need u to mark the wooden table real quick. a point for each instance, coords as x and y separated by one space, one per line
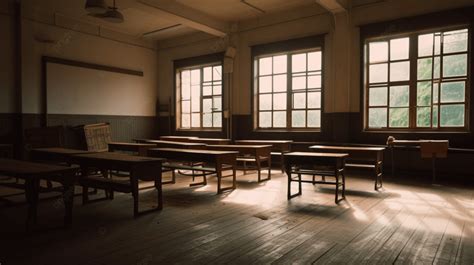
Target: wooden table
305 163
177 138
214 141
138 148
359 156
172 144
219 159
250 153
279 147
32 173
140 168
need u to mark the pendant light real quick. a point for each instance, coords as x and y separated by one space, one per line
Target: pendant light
112 15
96 6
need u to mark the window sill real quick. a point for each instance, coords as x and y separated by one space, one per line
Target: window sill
287 130
417 131
199 130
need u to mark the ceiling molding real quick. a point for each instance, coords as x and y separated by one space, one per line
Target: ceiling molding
181 14
334 6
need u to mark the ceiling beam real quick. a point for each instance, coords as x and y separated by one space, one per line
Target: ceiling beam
182 14
334 6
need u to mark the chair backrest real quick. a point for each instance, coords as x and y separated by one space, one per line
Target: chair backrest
97 137
431 149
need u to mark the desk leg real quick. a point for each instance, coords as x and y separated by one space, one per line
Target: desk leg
259 168
282 161
31 193
159 188
68 198
269 161
134 182
433 167
392 161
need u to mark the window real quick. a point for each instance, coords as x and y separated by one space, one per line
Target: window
418 81
288 89
199 97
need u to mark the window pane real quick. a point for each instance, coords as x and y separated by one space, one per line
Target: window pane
195 120
452 115
435 93
378 96
265 102
435 116
279 119
265 84
196 77
279 101
425 45
437 48
185 92
185 106
279 83
378 52
424 68
314 118
314 81
423 117
217 119
455 41
279 64
452 92
196 103
298 118
377 117
186 77
217 74
206 90
314 100
265 66
265 119
378 73
399 96
207 120
455 65
400 71
423 94
185 120
399 117
217 90
217 104
207 105
437 66
298 62
299 100
299 82
207 74
399 49
314 61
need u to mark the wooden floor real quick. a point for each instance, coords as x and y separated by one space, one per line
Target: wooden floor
255 224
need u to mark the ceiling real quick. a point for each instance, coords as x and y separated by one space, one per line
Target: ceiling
162 19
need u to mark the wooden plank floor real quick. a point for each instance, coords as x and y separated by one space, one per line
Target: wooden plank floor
255 224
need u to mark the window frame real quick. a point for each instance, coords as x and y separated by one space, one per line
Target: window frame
193 63
413 58
289 48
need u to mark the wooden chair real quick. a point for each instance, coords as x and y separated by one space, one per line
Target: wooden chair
97 137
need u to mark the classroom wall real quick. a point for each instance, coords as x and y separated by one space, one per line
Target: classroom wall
342 116
48 34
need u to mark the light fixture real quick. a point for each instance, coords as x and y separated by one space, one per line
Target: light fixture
96 6
113 15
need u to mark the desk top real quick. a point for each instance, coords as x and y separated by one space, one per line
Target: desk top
111 156
347 148
210 140
415 142
61 151
237 146
265 141
170 142
193 151
18 167
313 154
177 137
131 144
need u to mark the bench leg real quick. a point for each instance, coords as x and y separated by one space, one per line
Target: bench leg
289 195
68 198
159 189
31 193
134 182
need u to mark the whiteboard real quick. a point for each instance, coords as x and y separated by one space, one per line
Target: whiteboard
86 91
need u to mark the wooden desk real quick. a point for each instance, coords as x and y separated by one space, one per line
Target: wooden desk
172 144
140 168
305 163
359 156
279 147
217 158
252 153
177 138
32 173
56 154
138 148
214 141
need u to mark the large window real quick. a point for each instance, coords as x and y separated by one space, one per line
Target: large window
418 81
288 90
199 97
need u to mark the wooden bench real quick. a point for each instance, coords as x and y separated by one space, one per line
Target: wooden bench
138 148
310 163
213 141
360 157
214 162
177 138
279 148
257 154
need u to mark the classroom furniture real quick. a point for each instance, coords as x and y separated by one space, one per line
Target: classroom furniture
214 141
59 155
97 136
312 163
279 148
177 138
258 154
139 168
32 173
138 148
172 144
213 162
359 157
